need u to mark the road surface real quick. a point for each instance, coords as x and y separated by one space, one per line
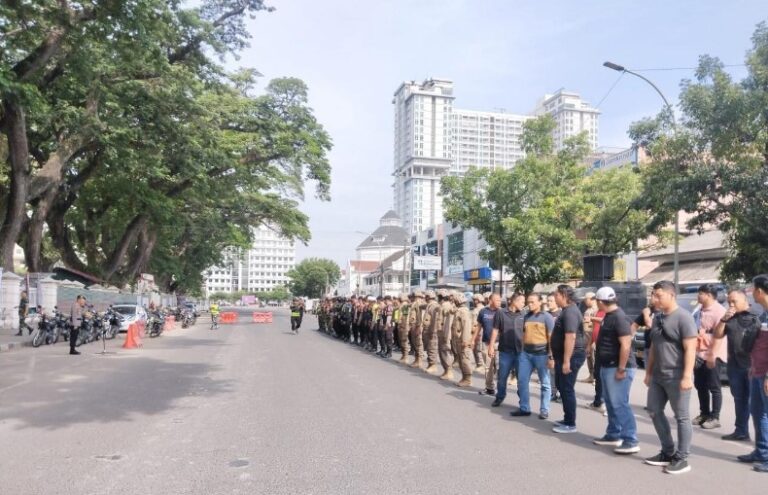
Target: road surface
252 408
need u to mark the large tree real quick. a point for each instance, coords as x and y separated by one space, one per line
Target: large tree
540 217
126 146
715 166
313 276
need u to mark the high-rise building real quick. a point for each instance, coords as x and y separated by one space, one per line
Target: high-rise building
486 139
422 150
433 138
572 116
261 268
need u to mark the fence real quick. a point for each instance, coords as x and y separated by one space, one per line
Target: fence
48 293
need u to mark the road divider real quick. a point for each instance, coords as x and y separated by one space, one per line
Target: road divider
262 317
228 317
170 323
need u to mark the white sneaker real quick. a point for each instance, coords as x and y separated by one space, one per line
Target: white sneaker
564 429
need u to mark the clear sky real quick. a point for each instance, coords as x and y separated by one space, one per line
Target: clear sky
353 54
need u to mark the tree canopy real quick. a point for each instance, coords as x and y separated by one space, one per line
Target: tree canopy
715 166
541 216
126 147
313 276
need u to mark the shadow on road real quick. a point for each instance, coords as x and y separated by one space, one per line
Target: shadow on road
113 389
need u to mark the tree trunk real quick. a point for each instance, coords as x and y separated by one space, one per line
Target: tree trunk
140 261
118 254
34 239
60 236
18 157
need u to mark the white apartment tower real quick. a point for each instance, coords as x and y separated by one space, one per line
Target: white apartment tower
486 139
422 150
572 116
261 268
433 139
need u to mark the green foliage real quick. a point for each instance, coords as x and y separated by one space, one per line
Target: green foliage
144 154
313 276
540 217
715 166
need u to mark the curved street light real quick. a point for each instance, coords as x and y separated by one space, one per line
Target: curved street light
676 258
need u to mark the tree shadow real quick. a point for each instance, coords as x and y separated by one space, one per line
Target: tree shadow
113 389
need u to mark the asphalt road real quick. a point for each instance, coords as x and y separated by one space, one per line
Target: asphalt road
254 409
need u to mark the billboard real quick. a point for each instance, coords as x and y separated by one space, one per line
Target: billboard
427 262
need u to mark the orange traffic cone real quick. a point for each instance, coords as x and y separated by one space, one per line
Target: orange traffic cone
131 338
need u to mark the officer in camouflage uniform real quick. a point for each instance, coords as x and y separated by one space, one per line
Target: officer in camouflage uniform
387 326
431 325
403 327
461 338
365 323
445 319
416 325
323 315
347 310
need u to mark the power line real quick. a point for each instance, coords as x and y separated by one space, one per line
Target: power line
615 83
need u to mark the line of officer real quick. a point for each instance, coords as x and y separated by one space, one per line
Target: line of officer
439 325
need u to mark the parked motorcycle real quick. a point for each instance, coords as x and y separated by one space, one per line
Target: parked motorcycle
88 328
63 323
113 319
47 331
155 323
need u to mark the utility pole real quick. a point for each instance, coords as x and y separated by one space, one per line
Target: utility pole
671 110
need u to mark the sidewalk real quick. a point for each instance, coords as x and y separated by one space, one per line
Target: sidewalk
10 342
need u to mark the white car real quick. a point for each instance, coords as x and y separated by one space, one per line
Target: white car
131 313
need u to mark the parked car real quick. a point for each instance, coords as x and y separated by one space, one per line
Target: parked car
689 302
132 313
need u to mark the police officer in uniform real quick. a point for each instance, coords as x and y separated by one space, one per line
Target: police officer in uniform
461 334
416 320
404 327
430 330
447 310
76 316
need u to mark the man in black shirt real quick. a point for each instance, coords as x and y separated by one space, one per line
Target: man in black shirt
508 327
569 352
617 370
733 325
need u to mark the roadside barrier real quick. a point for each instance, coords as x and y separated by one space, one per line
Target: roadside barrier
170 323
132 338
228 317
259 317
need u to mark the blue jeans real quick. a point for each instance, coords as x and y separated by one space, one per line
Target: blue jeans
738 381
621 419
526 364
566 385
760 417
507 363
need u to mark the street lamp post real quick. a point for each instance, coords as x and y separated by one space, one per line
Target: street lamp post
676 258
